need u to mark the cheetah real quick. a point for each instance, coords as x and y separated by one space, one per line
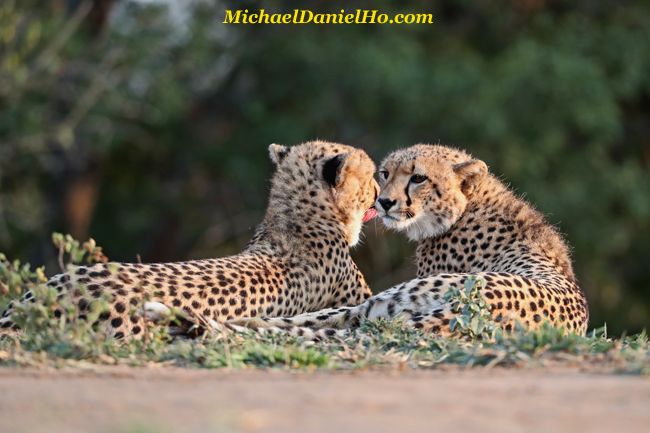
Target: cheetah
297 261
467 224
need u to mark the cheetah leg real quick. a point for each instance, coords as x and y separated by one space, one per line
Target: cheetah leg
416 296
330 317
435 321
512 298
157 312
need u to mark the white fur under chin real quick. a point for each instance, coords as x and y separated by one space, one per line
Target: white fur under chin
416 229
355 229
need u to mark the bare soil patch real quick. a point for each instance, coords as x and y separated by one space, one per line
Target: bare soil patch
170 400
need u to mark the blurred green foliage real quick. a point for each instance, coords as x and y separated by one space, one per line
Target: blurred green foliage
146 125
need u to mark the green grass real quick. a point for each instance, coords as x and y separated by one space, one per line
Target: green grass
69 340
378 345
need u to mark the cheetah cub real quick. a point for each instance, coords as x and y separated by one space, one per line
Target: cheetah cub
467 224
297 261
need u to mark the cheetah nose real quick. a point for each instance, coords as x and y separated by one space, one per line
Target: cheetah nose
386 203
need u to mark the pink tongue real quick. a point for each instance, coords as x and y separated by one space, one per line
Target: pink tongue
370 214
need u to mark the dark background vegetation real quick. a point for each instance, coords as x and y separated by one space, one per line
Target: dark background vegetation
145 125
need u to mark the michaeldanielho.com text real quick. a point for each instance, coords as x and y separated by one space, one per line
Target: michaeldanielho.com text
306 16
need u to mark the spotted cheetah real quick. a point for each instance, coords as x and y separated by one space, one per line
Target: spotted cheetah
297 260
467 224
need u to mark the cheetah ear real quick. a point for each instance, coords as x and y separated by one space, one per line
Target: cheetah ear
470 174
333 170
277 152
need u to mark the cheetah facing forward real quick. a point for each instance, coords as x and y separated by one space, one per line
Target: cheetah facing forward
467 224
298 259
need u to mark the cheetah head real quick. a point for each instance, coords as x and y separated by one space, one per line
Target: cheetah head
425 189
322 180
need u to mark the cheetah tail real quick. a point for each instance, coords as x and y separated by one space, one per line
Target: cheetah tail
6 322
301 332
337 318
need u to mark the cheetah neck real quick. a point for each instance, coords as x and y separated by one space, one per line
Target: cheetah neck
315 252
307 235
281 236
294 221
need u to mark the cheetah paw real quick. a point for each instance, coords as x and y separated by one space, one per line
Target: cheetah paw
250 322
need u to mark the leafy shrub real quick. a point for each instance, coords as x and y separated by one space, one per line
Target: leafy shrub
472 316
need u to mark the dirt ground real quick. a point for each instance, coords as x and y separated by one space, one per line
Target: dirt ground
122 400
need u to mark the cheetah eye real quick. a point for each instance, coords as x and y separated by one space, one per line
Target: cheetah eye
417 178
383 174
